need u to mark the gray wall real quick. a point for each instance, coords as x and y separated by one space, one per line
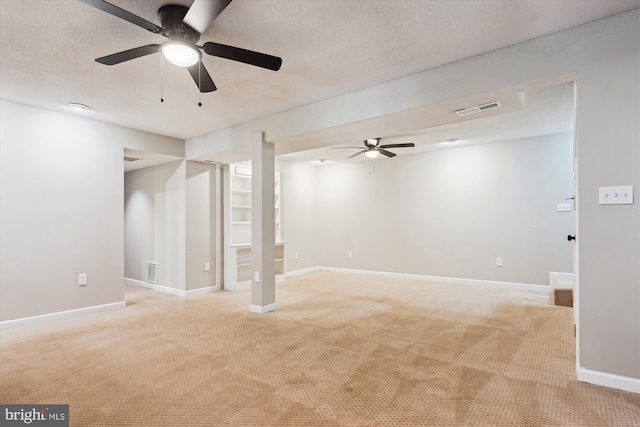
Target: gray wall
154 222
604 57
61 192
608 105
169 217
201 218
451 213
299 214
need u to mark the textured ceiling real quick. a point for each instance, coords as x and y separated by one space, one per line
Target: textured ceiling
329 47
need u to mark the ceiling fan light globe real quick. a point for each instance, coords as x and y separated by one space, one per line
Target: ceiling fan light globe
180 53
372 154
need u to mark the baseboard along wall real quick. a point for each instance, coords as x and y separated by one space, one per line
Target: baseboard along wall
170 290
63 314
527 286
262 309
609 380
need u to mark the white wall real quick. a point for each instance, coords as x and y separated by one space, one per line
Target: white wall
170 219
154 222
61 192
604 56
451 213
299 214
201 218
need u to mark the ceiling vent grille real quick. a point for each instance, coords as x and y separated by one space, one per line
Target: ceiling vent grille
152 272
131 159
479 108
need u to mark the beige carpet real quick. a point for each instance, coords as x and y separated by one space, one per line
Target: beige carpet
341 350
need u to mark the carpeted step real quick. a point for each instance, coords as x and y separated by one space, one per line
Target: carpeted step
563 297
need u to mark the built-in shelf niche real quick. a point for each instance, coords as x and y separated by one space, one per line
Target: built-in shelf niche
237 196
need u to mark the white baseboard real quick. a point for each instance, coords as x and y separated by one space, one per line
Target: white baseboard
170 290
63 314
243 285
135 282
200 291
609 380
512 285
302 271
560 280
261 309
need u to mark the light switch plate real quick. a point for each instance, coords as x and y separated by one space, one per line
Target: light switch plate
563 207
620 195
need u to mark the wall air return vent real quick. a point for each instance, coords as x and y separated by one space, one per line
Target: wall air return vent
479 108
152 272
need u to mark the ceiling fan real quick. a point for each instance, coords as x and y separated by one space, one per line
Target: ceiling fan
183 27
372 148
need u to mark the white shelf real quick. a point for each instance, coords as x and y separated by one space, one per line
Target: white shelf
237 233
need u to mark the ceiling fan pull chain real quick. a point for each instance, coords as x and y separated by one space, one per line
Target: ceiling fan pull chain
161 78
200 83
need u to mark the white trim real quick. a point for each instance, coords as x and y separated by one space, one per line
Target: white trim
609 380
560 280
63 314
512 285
302 271
134 282
169 290
200 291
262 309
240 286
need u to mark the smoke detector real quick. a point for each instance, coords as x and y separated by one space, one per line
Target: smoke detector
479 108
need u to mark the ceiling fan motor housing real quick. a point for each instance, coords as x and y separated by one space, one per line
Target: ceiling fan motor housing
171 17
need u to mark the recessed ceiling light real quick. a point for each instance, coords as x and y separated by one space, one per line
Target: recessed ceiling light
78 106
452 140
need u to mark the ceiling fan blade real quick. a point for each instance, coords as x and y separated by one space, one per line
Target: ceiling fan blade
357 154
123 14
386 153
127 55
242 55
202 78
202 13
405 145
351 148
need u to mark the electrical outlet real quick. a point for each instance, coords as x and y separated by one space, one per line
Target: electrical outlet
349 254
207 266
296 255
83 279
498 262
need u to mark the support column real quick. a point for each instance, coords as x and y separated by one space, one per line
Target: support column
263 230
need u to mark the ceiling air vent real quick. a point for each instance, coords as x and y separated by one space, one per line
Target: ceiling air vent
131 159
479 108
